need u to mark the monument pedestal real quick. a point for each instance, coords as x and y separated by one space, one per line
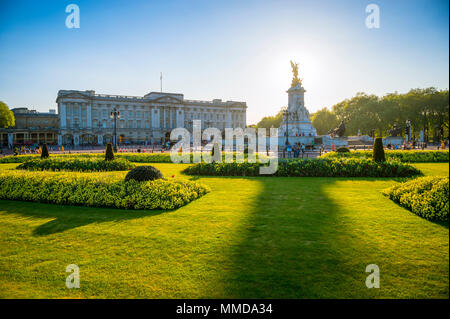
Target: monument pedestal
337 141
307 140
296 120
393 140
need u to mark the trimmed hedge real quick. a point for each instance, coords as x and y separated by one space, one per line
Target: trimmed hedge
425 196
378 150
109 154
97 191
44 153
144 173
76 164
349 167
343 149
412 156
132 157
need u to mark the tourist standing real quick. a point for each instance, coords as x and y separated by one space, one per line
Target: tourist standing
288 150
296 150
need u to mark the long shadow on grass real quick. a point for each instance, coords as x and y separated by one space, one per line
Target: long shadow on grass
303 241
285 250
69 217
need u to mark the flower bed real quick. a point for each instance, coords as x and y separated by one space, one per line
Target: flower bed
426 196
412 156
346 167
76 164
97 190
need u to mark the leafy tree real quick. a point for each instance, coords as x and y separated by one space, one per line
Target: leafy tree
324 120
271 121
6 116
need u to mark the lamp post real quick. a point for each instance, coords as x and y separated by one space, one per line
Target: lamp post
408 130
115 114
287 114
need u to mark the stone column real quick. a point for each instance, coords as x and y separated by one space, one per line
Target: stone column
165 117
156 118
59 140
180 117
62 115
10 140
229 119
89 116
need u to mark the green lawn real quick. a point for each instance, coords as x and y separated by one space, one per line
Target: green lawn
248 238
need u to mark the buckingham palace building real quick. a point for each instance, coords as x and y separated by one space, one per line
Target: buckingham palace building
85 117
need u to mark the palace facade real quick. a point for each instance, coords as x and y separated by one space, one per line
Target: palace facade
31 128
85 117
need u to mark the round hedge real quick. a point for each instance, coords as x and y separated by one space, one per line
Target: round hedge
143 173
343 150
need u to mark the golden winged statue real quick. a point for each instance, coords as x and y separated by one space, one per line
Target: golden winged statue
295 79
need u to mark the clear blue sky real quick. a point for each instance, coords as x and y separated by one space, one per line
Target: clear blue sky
237 50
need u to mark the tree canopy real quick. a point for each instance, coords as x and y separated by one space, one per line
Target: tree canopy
324 120
427 109
6 116
271 121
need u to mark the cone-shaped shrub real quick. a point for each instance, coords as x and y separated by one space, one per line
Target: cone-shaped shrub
109 156
44 153
378 150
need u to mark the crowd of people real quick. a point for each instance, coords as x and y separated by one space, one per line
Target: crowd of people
294 151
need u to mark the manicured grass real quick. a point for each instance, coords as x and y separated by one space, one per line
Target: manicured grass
249 237
432 169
